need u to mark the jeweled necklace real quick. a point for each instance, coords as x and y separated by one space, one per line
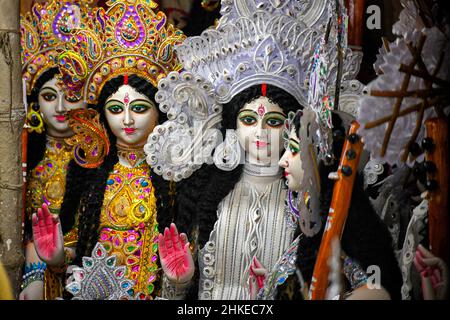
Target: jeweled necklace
54 143
134 155
260 171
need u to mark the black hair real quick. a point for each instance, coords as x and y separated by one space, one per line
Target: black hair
36 141
86 196
365 238
199 196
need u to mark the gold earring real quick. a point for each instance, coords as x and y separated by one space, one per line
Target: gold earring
34 120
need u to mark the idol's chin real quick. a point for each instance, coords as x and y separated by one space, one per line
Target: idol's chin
129 141
256 159
60 127
61 131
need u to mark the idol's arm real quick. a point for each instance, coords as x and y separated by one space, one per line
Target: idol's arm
33 275
433 273
364 293
177 263
173 290
360 289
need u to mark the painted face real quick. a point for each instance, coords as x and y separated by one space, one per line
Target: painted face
54 107
131 116
259 129
292 163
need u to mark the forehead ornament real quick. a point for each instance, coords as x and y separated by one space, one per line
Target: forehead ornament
261 110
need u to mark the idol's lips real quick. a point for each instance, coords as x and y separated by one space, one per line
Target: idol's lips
129 130
261 144
286 173
60 118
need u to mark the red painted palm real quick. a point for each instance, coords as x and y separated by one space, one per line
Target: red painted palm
175 255
48 237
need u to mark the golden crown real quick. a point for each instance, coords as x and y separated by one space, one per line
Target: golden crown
43 30
130 38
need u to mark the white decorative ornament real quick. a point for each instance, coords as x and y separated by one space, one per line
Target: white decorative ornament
100 278
373 106
412 240
182 144
304 10
264 47
372 171
351 92
409 21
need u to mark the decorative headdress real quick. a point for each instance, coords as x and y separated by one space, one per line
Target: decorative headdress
43 31
130 38
255 42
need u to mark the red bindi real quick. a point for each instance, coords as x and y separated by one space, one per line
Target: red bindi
261 110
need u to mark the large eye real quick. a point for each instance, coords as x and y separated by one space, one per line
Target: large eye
115 109
247 120
293 148
274 119
48 96
139 108
274 122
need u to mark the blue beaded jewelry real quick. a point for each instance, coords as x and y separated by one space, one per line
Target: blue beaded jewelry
33 272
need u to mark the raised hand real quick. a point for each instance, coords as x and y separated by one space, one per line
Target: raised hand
434 274
175 255
48 237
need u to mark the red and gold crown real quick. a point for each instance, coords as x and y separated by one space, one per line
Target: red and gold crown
43 30
132 39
